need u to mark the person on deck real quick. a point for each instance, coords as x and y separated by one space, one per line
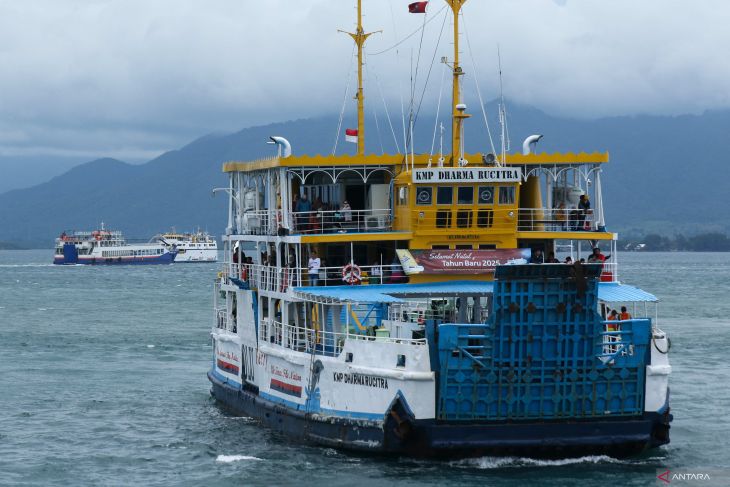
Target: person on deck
584 205
313 270
303 208
376 274
624 315
537 257
597 257
346 212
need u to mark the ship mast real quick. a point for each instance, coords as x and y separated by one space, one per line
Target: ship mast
360 37
458 116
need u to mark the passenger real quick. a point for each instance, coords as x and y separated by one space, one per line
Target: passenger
624 316
346 212
568 260
597 257
582 261
314 265
304 207
537 257
552 259
584 205
376 274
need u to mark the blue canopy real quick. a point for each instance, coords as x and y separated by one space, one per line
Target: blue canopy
609 292
614 292
392 293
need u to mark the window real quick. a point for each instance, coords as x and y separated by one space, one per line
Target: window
403 196
485 218
487 246
423 195
486 195
464 247
443 219
439 247
507 195
466 195
445 195
463 218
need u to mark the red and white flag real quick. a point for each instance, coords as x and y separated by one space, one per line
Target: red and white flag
351 135
417 7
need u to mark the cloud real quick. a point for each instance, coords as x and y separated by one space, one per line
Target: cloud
111 76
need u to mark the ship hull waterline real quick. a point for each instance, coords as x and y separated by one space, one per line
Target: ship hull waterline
618 438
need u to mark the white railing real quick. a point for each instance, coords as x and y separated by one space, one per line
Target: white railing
348 221
555 220
320 342
275 279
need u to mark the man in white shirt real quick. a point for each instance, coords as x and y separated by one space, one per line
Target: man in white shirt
314 264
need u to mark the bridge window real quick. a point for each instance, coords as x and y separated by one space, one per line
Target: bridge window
466 195
463 219
443 219
403 196
445 195
423 195
507 195
485 218
439 247
486 195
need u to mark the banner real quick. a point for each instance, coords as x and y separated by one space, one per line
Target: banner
468 175
460 261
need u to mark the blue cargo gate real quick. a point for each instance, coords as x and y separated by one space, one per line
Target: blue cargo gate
544 354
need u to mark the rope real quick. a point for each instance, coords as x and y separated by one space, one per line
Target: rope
375 113
438 110
428 76
344 102
479 91
409 35
387 113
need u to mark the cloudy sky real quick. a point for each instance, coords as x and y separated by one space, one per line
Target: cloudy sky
132 78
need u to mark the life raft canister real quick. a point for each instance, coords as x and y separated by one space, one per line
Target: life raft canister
351 274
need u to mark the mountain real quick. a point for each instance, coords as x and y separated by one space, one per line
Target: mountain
667 174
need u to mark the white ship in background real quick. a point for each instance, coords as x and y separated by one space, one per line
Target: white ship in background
191 247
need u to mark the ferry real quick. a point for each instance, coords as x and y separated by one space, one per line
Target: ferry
191 247
420 309
107 247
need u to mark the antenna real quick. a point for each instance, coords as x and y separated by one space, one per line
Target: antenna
504 135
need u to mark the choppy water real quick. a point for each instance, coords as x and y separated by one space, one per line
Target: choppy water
102 382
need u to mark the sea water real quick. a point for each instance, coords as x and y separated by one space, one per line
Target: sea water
103 382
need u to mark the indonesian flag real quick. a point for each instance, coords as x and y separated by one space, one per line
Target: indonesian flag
351 135
417 7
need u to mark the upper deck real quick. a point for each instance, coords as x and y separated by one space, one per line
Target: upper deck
313 199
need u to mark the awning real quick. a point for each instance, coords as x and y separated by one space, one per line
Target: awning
609 292
392 293
613 292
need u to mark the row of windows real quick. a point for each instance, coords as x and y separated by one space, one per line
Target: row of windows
464 195
464 218
130 253
464 247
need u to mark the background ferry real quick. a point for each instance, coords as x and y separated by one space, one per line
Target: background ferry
105 247
191 247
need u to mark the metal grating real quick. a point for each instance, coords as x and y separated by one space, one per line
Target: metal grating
545 354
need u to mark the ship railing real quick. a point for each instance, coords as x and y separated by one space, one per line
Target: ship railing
319 342
507 220
622 339
351 221
281 279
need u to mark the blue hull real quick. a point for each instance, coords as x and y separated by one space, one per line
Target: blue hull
397 434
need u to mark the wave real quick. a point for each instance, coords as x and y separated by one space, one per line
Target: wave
488 463
235 458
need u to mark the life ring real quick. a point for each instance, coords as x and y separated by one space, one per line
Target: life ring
351 274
